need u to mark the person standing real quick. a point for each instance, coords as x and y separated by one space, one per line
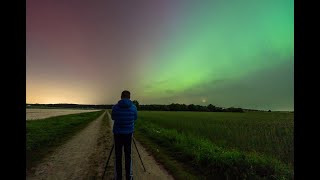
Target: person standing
124 115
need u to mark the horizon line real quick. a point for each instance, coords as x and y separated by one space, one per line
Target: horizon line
161 104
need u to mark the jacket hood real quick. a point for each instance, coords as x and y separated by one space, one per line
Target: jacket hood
125 103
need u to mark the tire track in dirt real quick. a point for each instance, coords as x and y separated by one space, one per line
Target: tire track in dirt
154 170
82 157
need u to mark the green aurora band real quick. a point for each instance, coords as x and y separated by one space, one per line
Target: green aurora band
223 42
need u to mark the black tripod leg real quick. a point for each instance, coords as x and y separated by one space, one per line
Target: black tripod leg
139 154
107 162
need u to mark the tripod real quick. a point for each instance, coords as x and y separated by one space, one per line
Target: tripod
134 142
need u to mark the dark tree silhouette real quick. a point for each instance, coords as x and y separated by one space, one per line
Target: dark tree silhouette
149 107
136 103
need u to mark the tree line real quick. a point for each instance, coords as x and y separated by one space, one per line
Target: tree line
184 107
148 107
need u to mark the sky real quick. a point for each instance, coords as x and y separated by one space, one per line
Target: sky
228 53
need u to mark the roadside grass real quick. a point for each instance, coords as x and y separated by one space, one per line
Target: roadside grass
161 154
185 144
43 136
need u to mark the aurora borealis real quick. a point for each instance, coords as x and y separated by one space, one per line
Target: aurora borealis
227 53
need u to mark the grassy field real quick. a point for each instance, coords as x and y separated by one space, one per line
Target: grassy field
256 145
42 136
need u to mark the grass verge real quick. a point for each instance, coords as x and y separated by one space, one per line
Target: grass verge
43 136
207 160
177 169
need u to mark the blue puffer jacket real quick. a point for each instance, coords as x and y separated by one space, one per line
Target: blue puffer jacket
124 114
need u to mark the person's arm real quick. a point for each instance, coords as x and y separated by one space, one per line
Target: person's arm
113 112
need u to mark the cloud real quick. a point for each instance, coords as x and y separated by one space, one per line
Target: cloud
270 88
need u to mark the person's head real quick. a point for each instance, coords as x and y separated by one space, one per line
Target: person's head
125 94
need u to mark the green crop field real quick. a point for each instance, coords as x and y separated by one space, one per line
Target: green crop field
255 145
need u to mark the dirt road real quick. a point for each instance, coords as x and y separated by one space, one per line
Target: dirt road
84 156
78 158
154 171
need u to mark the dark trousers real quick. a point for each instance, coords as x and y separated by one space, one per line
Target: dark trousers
123 140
